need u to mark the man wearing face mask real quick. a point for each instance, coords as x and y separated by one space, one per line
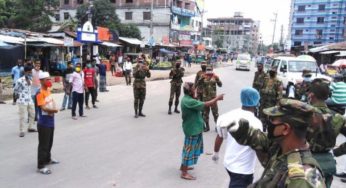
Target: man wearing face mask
260 76
270 93
197 78
139 86
176 75
284 151
303 88
77 81
16 73
209 81
25 103
322 137
90 85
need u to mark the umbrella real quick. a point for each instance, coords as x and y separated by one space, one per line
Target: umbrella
339 62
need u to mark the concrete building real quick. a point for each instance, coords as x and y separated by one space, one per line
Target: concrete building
316 22
236 33
173 21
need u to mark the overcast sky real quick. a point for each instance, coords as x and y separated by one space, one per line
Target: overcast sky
261 10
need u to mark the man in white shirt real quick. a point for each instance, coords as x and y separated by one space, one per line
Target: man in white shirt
239 160
127 68
25 103
77 81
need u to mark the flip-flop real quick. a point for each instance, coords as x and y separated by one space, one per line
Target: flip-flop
188 177
190 168
45 171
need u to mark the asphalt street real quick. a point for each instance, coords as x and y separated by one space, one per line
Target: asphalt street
110 148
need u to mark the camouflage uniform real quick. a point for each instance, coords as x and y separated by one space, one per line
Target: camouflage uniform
296 168
270 93
198 85
259 79
176 75
139 87
322 139
208 84
303 88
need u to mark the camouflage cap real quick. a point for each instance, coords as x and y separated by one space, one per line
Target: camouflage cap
297 110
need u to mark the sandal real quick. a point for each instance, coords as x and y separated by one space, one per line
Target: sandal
187 176
44 170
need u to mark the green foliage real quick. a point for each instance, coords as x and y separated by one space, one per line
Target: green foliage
27 14
103 15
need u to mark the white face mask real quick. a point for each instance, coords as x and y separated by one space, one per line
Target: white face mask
307 79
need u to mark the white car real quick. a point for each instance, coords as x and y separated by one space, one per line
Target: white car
290 70
243 62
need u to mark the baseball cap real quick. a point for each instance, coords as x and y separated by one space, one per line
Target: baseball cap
43 75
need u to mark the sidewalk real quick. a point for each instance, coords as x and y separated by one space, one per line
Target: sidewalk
112 80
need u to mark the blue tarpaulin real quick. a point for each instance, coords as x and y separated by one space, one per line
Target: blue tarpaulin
162 50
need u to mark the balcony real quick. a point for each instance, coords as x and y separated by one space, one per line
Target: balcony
183 12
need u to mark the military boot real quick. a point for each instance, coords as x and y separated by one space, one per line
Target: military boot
169 108
176 110
206 127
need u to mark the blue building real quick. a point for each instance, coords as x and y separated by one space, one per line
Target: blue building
316 22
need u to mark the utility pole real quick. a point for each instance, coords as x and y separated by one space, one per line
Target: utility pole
275 20
151 28
282 37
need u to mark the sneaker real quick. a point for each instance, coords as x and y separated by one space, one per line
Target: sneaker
62 109
74 117
94 106
44 171
341 175
83 116
21 134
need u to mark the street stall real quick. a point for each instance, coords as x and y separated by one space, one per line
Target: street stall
165 59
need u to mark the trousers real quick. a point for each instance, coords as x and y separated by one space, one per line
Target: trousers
24 112
45 143
91 91
77 98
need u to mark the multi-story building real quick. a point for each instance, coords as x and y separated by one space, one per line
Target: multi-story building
172 21
316 22
235 33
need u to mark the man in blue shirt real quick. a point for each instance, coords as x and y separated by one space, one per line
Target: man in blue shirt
17 72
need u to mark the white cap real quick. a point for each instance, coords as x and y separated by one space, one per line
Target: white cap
43 75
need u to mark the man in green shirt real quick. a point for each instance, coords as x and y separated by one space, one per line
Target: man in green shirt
193 128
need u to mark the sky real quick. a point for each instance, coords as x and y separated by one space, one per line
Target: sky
258 10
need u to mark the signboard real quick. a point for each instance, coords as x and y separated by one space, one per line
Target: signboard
68 41
183 12
87 33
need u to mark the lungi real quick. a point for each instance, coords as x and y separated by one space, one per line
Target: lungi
103 83
193 148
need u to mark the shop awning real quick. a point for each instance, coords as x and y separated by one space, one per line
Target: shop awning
133 41
12 40
48 40
110 44
330 52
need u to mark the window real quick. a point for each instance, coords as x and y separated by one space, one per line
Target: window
66 15
321 7
334 17
57 17
332 30
331 38
333 12
319 32
146 16
297 43
332 25
113 1
301 8
66 2
283 66
128 15
80 1
300 20
320 20
299 32
317 42
129 1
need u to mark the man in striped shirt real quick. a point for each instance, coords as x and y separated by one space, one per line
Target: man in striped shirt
338 89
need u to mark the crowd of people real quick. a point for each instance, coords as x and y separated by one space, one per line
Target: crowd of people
294 140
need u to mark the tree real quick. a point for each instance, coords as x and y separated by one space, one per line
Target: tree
6 12
32 14
103 15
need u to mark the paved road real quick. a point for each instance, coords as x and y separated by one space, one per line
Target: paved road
110 148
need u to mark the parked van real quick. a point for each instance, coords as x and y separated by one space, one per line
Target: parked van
290 70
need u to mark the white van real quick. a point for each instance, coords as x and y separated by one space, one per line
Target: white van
243 62
290 70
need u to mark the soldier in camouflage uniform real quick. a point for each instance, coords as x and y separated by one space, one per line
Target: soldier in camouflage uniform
209 81
270 93
176 75
197 78
139 86
303 88
284 151
259 79
322 136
